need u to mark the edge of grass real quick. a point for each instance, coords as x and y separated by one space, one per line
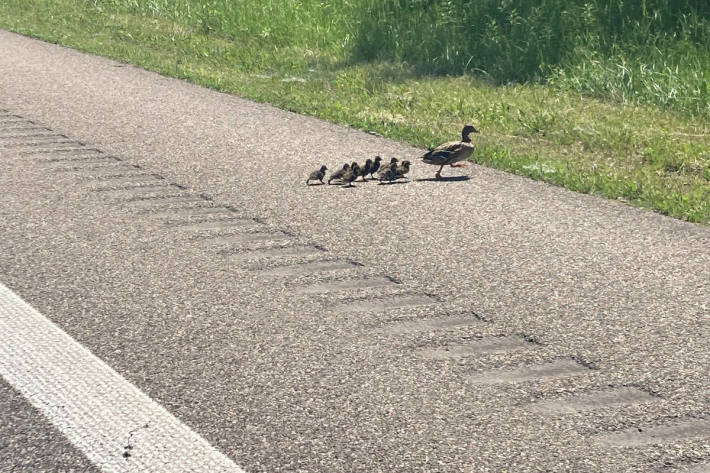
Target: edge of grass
642 155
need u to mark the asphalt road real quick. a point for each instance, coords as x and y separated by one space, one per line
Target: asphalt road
488 324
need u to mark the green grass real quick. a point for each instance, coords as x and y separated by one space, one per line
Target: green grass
624 122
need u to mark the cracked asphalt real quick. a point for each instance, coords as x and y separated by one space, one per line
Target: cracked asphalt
593 295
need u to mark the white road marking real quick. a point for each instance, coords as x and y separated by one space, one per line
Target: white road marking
111 421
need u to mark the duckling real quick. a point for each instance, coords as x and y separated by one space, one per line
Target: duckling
375 166
402 169
388 175
366 169
384 169
351 174
339 173
317 175
452 151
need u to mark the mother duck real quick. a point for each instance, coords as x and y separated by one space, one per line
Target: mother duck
451 152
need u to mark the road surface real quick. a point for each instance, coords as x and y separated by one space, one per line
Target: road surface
174 296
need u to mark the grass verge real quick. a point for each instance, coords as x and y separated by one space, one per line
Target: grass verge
645 155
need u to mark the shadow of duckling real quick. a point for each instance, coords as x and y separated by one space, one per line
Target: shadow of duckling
444 179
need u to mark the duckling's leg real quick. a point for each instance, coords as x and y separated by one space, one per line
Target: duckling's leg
438 173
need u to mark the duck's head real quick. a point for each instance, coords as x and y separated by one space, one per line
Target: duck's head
467 130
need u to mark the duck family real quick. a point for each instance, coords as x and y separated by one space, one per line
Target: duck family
350 172
452 153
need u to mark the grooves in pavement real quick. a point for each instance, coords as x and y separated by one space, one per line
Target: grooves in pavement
590 401
141 197
672 432
307 268
484 345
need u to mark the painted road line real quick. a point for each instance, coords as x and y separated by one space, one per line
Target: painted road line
671 433
112 422
591 401
552 370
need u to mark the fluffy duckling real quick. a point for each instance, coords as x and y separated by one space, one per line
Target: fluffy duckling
317 175
339 173
452 151
389 175
384 169
375 166
351 174
402 169
366 169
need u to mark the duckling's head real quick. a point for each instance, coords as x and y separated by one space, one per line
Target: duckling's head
406 163
467 130
368 161
353 164
323 168
346 166
393 160
378 159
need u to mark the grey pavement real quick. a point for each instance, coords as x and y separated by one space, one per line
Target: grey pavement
490 324
28 442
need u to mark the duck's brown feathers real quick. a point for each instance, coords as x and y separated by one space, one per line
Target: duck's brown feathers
448 153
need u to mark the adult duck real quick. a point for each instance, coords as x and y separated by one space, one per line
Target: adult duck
452 152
